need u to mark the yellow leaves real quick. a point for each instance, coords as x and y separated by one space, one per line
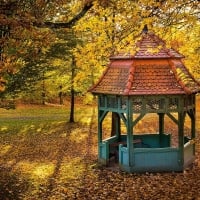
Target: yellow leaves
43 171
11 63
57 62
24 44
154 50
89 99
78 135
44 50
60 165
4 148
186 41
76 165
184 78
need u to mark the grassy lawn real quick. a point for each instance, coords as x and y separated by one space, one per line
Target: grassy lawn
42 156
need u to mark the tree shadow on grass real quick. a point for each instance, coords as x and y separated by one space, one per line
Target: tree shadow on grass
79 154
65 148
27 153
12 186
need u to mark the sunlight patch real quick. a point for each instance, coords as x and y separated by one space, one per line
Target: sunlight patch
26 129
43 171
4 128
86 116
36 170
39 129
86 120
73 169
78 135
4 149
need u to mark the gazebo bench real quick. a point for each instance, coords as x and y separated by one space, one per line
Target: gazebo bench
115 152
116 144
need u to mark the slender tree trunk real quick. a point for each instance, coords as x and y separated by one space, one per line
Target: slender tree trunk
71 119
43 89
60 94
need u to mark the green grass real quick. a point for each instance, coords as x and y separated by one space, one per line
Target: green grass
34 111
31 119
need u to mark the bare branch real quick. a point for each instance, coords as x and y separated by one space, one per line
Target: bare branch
68 24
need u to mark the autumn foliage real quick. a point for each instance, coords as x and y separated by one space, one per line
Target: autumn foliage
93 30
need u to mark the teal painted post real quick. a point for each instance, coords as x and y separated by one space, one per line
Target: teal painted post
181 116
193 121
161 122
193 118
100 119
118 128
161 126
130 132
193 129
99 128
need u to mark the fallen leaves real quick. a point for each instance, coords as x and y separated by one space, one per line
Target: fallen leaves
62 164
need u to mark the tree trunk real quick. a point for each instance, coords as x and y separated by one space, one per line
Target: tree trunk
60 94
43 89
71 119
69 24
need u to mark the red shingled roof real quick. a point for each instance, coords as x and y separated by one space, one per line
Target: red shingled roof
150 46
153 69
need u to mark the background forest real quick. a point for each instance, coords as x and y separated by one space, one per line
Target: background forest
51 49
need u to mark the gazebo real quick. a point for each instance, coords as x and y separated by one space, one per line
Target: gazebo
152 80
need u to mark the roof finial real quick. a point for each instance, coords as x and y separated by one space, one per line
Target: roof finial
145 29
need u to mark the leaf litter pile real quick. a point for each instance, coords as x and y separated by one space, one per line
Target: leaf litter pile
57 160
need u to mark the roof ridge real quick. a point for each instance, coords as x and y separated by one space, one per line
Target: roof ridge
191 75
160 41
130 80
100 79
181 83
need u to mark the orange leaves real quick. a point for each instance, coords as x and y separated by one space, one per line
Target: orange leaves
43 157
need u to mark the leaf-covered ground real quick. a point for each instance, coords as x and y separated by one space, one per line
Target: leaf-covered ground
43 157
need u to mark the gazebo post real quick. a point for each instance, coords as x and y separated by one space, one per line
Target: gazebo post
101 116
192 115
99 130
193 127
181 116
130 134
194 118
103 153
161 125
161 122
99 133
